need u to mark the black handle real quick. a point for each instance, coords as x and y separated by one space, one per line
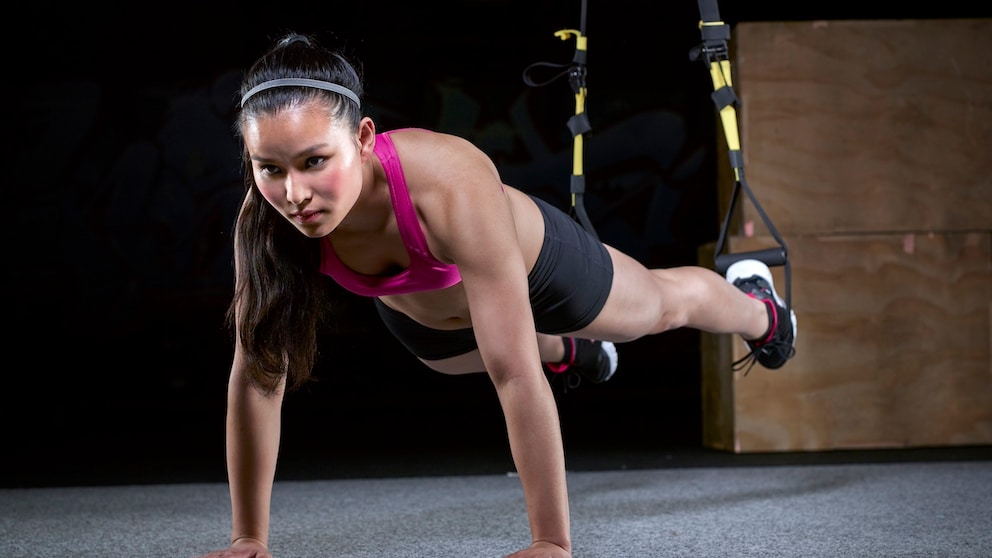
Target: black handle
770 257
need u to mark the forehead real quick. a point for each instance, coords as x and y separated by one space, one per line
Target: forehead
299 121
309 109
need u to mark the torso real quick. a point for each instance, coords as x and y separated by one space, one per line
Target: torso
422 271
383 253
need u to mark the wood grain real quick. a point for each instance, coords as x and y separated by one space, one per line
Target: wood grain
894 348
864 126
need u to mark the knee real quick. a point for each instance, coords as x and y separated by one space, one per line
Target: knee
672 316
681 299
468 363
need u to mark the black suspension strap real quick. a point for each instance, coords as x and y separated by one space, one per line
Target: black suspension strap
714 53
578 124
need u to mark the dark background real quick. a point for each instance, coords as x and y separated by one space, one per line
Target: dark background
126 178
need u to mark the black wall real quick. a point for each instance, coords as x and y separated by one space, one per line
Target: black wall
126 178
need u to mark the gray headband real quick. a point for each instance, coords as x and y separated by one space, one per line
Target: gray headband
302 82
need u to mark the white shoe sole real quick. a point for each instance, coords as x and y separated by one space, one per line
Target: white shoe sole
611 353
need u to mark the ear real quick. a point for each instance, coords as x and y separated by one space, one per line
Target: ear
366 137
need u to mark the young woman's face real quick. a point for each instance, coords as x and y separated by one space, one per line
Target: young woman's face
308 167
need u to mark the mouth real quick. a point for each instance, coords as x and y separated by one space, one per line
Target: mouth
305 217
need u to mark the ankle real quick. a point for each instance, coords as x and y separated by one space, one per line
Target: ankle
772 314
568 356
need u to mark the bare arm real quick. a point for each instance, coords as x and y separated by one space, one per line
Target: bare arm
253 432
253 427
477 232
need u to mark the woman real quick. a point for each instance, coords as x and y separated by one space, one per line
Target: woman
469 273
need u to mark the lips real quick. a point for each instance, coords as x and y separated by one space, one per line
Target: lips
305 217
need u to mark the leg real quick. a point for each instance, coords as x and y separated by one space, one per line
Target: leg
468 363
455 351
644 302
648 301
551 347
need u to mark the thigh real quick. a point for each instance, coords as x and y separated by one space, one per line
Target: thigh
572 277
636 304
467 363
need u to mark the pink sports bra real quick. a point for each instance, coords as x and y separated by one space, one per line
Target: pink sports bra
425 273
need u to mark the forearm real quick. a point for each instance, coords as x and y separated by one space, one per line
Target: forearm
536 444
253 423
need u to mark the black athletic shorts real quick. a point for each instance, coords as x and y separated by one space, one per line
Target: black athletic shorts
568 287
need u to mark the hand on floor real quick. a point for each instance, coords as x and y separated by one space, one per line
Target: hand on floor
541 549
243 548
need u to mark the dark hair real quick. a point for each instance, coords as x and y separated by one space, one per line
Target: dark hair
279 295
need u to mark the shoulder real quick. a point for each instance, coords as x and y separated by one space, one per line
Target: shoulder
424 144
453 184
438 159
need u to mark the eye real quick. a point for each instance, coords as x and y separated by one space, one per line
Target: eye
313 162
269 170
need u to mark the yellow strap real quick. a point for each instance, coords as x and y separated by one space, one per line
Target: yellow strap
580 39
580 107
581 43
720 74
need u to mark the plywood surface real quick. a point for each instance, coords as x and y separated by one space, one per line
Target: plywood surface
893 349
855 126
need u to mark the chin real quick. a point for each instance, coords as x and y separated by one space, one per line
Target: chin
312 232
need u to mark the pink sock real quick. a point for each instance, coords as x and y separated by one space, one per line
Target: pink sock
569 359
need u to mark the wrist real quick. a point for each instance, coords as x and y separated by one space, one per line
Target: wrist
235 540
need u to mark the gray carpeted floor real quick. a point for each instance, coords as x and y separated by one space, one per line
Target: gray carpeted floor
914 509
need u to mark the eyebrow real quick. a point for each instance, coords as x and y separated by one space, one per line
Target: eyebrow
301 153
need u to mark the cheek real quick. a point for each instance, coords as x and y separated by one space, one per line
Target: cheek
336 183
272 194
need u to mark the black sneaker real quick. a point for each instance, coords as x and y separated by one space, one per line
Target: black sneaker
593 361
779 345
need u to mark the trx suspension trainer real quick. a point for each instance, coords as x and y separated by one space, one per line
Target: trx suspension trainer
578 124
713 52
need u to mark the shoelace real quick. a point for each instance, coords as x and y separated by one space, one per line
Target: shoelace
569 377
784 350
569 380
749 359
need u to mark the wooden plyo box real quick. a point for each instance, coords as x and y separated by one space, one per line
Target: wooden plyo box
866 143
863 126
894 348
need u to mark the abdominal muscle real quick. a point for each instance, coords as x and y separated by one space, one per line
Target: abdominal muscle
442 309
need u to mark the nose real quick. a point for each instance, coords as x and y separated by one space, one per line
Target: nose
297 192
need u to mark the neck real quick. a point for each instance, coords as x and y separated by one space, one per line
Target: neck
373 209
